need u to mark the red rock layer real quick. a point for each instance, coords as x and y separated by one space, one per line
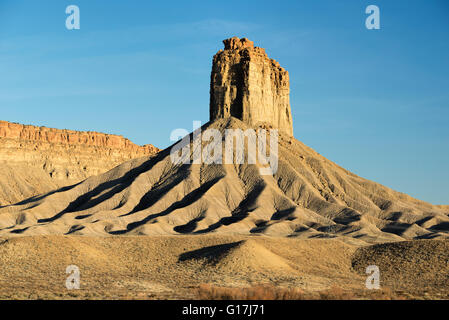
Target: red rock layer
88 138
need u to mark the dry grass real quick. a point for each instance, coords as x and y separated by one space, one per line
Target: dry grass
267 292
157 268
337 293
261 292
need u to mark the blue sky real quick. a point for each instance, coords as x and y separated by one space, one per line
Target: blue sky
374 101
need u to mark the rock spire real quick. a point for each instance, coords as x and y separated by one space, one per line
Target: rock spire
248 85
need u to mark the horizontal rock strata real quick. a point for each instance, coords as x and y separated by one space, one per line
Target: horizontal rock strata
248 85
35 160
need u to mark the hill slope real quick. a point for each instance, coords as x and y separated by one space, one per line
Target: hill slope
308 197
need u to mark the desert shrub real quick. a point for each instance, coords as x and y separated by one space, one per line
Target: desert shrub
260 292
269 292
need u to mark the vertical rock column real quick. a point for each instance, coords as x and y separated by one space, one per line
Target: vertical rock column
248 85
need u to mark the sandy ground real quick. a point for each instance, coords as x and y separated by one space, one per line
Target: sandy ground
172 267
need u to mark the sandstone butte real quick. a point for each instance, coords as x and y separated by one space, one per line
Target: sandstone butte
248 85
320 218
36 160
308 197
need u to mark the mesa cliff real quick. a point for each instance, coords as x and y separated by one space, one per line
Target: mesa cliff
307 197
248 85
35 160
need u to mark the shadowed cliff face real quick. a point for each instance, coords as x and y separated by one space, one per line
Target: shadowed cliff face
36 160
248 85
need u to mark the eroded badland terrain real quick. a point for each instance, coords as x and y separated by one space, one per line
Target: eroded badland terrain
152 228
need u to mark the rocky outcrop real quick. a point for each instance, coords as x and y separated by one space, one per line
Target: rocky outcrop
308 196
248 85
36 160
70 137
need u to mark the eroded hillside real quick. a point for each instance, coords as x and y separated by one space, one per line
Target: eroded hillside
36 160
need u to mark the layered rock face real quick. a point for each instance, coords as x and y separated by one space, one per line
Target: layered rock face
70 137
35 160
248 85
